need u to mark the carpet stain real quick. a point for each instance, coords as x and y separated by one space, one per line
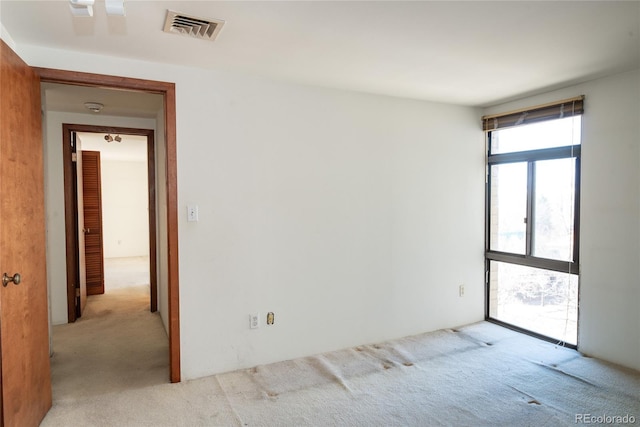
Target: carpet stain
489 343
408 364
387 364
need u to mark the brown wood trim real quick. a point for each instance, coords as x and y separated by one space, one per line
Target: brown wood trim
172 231
110 129
169 92
103 81
71 223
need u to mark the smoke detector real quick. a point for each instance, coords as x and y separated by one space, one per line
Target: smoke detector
96 107
200 28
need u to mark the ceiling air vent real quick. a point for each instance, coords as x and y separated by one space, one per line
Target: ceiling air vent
179 23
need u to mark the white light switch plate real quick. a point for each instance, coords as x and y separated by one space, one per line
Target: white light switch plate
192 213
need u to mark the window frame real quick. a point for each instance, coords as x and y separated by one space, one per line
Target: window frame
530 157
572 266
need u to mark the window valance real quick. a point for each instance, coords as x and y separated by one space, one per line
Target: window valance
556 110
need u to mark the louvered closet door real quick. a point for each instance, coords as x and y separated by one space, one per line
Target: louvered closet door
92 198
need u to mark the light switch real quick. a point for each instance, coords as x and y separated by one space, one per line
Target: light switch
192 213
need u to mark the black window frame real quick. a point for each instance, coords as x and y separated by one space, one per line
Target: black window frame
527 259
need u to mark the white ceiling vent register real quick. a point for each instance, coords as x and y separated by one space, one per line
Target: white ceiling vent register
200 28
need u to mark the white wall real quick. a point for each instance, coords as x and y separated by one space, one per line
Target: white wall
609 319
54 198
353 217
6 37
161 221
125 208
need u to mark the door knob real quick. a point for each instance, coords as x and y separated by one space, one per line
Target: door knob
6 279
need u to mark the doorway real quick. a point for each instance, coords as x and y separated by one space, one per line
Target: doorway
118 341
126 172
169 220
106 216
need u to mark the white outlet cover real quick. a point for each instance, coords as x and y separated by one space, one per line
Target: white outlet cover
254 321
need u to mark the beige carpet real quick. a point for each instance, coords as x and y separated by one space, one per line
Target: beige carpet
479 375
117 344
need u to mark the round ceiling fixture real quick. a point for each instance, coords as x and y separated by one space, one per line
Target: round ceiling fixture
96 107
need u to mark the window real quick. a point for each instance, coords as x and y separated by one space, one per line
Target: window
532 219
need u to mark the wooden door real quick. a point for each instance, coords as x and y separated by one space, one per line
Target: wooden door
92 200
24 332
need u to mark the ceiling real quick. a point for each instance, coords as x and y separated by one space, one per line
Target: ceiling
68 98
470 53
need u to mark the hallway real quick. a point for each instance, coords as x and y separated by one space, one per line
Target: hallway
116 345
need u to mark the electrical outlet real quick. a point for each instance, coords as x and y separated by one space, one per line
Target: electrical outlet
461 290
254 320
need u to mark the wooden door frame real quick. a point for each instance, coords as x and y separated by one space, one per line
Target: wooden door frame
70 201
168 91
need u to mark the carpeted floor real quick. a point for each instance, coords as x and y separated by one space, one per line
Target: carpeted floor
478 375
117 344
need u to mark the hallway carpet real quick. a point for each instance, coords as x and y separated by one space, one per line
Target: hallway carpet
117 344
